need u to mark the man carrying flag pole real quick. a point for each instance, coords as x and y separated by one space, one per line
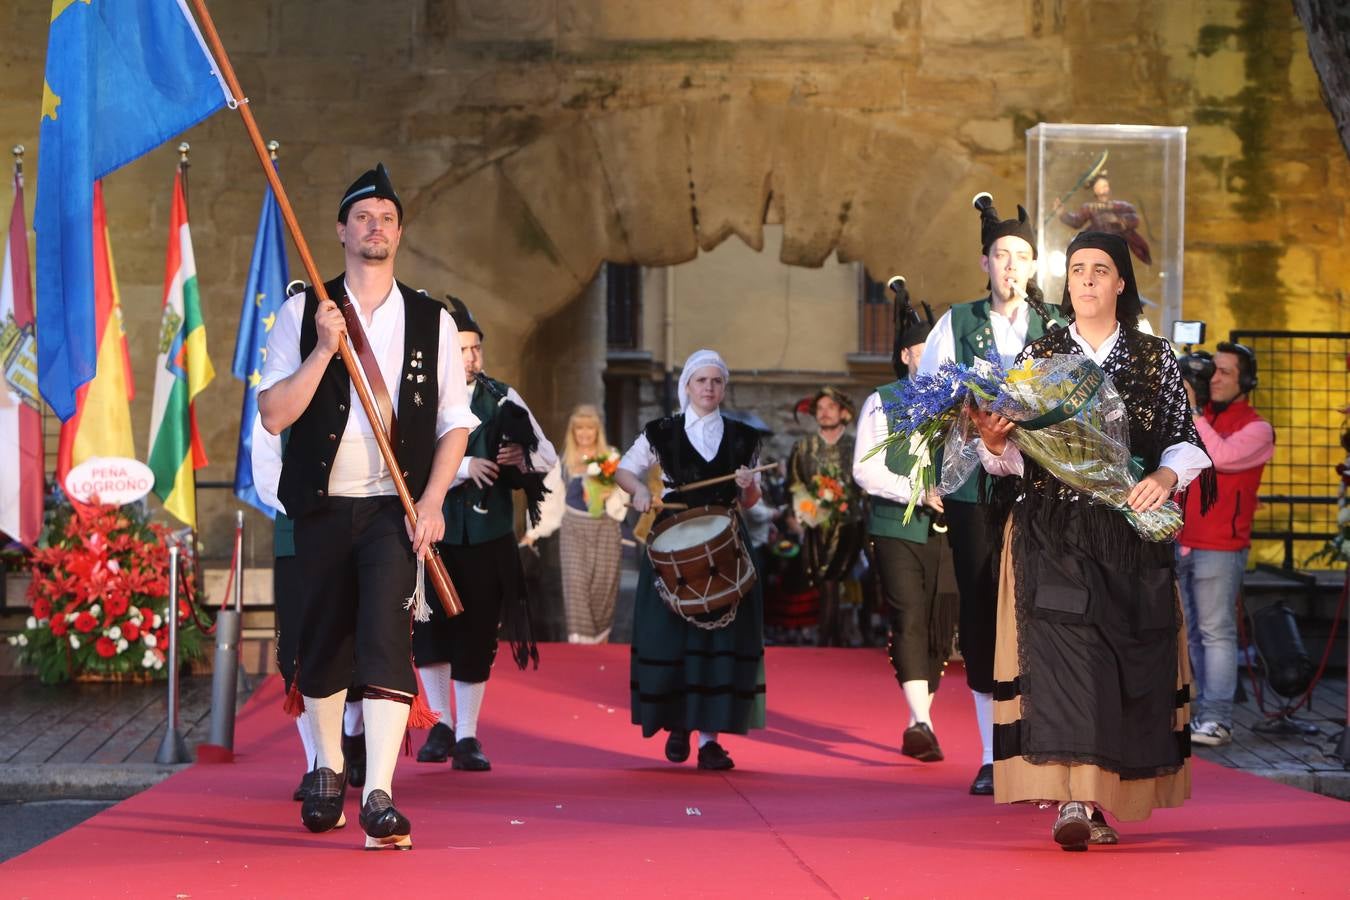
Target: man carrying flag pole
182 371
21 476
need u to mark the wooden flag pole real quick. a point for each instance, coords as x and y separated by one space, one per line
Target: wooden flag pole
435 566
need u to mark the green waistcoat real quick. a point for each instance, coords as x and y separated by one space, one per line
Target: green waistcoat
973 338
464 524
886 518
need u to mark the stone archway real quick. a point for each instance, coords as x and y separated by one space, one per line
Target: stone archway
525 234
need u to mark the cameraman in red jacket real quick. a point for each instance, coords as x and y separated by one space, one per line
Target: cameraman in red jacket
1213 546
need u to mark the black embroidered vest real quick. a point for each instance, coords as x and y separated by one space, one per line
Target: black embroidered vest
682 464
308 458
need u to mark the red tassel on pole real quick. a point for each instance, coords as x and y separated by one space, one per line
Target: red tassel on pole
421 715
295 702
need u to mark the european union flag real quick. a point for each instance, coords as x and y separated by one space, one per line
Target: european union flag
121 79
263 296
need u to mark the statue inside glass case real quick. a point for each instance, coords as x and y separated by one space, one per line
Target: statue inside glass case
1102 213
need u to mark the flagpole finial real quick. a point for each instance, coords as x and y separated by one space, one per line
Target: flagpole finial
272 148
18 151
183 150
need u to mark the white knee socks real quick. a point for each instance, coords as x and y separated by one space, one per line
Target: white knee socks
306 739
706 737
919 700
386 720
468 703
353 722
984 714
325 722
436 686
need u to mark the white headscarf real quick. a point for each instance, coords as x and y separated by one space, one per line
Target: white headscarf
699 359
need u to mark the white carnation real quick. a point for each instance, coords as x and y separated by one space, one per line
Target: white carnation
150 640
32 622
115 632
74 642
148 660
13 640
159 620
122 645
22 640
593 469
95 610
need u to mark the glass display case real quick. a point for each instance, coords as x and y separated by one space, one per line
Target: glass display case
1127 179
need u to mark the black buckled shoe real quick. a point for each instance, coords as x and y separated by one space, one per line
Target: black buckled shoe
384 825
983 785
468 756
677 745
1100 831
1073 828
354 753
920 743
439 741
322 808
711 756
306 782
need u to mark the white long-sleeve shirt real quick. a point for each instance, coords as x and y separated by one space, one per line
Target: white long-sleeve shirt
1010 336
872 475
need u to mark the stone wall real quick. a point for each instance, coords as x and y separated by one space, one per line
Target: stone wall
532 139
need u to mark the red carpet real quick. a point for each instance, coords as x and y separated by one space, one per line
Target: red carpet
579 805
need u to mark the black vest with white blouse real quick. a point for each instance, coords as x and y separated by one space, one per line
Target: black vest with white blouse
313 444
681 463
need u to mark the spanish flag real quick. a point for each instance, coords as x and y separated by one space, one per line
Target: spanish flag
101 425
182 372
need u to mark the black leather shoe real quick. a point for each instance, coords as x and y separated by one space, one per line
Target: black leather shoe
439 741
354 753
677 746
712 756
920 743
983 785
468 756
306 782
384 825
322 809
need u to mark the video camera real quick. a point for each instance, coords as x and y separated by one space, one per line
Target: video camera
1197 366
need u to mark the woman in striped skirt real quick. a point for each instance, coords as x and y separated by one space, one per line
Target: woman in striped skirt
589 544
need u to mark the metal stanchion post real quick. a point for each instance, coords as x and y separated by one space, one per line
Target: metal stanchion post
173 749
244 683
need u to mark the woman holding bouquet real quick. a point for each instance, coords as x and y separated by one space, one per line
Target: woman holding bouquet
1091 675
685 678
582 493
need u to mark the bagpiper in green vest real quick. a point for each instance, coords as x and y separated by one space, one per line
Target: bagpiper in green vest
464 523
886 518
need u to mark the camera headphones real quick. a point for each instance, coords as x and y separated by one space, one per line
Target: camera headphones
1247 379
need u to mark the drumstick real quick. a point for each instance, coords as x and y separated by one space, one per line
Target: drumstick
721 478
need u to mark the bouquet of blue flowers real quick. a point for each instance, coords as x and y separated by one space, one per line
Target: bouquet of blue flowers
1071 421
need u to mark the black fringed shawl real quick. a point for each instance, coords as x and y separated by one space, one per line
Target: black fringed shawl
1144 371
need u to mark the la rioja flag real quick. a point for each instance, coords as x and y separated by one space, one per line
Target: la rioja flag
182 372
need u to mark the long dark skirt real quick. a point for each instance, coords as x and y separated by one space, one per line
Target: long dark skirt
684 677
1092 680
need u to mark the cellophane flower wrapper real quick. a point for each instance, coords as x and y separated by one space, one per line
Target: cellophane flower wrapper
1088 451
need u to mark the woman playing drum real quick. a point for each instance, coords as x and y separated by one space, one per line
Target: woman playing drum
686 676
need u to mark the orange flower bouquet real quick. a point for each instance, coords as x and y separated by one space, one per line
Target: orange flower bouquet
820 502
599 483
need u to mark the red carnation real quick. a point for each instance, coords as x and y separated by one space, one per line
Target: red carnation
59 626
105 647
131 631
42 608
148 615
85 623
117 604
183 610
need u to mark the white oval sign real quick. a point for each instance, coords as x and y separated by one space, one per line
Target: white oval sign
114 480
